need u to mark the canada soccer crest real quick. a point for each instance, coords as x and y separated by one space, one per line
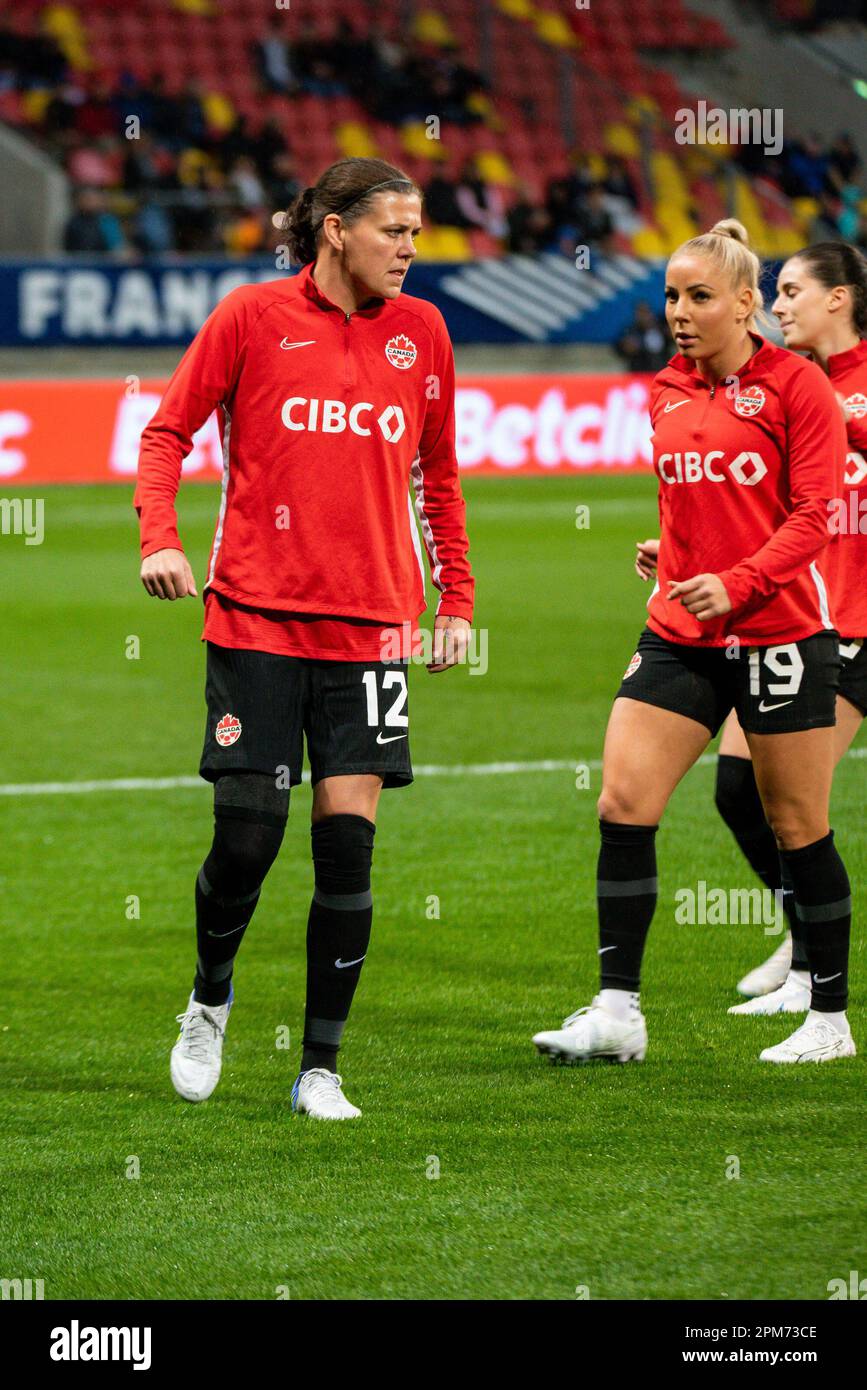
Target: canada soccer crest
228 730
857 405
750 401
633 666
401 352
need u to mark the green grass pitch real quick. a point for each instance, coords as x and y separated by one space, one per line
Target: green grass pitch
550 1180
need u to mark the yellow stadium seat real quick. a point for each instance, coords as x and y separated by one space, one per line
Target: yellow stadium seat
62 23
415 141
219 112
551 27
199 7
668 180
648 243
493 167
804 211
620 139
431 27
517 9
34 103
481 105
354 141
444 244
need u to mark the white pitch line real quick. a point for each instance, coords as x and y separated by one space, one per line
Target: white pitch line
158 784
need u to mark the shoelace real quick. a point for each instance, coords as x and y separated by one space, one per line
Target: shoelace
325 1085
198 1029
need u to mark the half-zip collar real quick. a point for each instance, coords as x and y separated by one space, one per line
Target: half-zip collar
309 287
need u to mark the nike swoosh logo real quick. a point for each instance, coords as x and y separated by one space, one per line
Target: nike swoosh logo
345 964
672 405
823 979
766 709
218 935
394 737
287 346
603 949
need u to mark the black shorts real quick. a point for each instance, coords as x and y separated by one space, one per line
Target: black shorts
260 706
775 690
853 672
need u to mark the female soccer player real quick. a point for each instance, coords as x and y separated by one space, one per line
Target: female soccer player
749 448
822 308
334 390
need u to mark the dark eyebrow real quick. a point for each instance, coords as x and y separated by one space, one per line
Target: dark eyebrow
402 226
700 286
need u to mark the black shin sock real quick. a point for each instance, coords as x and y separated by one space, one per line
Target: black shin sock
739 804
338 932
824 907
626 891
227 891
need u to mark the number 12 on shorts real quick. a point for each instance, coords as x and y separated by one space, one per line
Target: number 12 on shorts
394 717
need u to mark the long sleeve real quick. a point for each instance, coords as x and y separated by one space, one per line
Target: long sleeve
816 452
203 379
439 502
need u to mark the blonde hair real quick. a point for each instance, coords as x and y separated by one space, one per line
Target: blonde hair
727 246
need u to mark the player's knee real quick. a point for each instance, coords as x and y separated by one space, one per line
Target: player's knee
795 824
249 820
342 853
620 804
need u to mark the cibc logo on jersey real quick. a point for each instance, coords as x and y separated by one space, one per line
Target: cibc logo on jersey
333 417
746 468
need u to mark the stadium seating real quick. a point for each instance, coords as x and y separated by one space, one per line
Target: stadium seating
562 81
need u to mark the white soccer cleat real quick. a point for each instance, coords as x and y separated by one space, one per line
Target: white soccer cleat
197 1056
318 1092
793 997
596 1032
815 1041
770 974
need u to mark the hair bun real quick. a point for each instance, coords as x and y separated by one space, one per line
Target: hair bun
730 227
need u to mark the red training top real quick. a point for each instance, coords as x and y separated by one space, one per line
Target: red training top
324 418
746 472
847 554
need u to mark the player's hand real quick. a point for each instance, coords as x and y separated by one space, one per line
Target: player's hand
451 638
704 596
167 574
645 560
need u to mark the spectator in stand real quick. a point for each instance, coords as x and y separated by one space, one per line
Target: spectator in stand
594 225
95 164
481 203
646 345
844 163
271 55
313 64
530 227
153 233
192 128
804 168
92 229
97 114
245 185
826 226
165 113
441 204
619 183
143 169
265 148
283 186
